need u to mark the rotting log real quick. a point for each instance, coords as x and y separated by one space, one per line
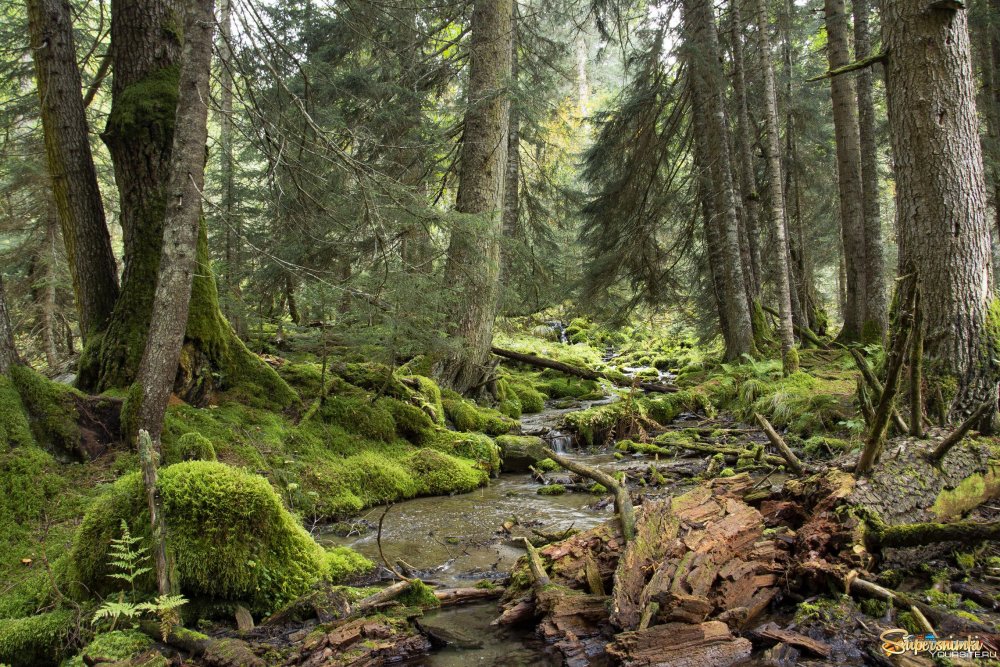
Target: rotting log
535 565
623 501
779 444
451 597
956 436
576 371
681 645
713 449
880 537
387 594
212 652
944 620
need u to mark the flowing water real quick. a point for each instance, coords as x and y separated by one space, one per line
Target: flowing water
457 540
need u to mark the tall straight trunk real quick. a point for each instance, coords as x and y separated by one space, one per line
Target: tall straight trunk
185 183
744 149
71 164
512 185
876 307
941 196
702 40
789 356
474 250
8 353
848 135
232 304
50 262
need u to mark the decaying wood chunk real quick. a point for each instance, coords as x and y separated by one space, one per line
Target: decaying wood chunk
680 645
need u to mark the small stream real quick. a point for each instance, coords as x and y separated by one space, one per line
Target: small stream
455 541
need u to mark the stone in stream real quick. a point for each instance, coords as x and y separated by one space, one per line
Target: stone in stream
442 633
515 452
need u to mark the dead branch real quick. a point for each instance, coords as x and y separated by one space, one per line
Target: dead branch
779 444
959 433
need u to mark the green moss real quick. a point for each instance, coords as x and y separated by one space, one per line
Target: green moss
598 489
190 447
419 594
377 478
595 425
14 428
531 399
547 465
428 396
874 608
970 493
965 562
480 448
666 408
374 377
35 641
52 407
30 481
438 473
357 414
230 535
342 563
551 490
468 417
412 423
305 378
116 645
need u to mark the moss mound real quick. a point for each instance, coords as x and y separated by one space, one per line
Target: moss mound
438 473
357 414
343 564
35 641
190 447
115 645
231 537
468 417
476 446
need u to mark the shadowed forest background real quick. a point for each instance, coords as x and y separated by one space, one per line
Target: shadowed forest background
326 325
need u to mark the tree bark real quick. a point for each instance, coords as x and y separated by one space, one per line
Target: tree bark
702 40
747 174
71 164
181 223
473 264
779 225
876 307
845 119
146 45
941 196
8 352
233 224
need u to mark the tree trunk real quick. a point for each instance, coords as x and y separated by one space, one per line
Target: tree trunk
50 260
941 196
71 164
512 186
8 353
233 223
474 251
744 147
845 119
876 307
139 134
789 356
702 40
181 224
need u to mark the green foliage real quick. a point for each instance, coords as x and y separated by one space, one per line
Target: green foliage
35 641
127 555
230 535
419 594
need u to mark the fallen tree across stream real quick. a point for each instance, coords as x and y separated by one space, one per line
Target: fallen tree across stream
576 371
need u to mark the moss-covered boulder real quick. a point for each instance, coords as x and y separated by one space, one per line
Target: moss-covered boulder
468 417
115 645
518 453
438 473
191 446
230 535
359 415
476 446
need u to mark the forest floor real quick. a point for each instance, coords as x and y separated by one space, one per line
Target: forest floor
386 471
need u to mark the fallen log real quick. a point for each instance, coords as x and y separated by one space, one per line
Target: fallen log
977 595
623 501
772 632
576 371
538 574
880 537
945 621
709 449
681 645
387 594
956 436
227 652
451 597
779 444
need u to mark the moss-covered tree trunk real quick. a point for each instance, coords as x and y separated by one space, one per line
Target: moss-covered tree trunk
146 45
180 229
941 196
71 164
8 353
474 250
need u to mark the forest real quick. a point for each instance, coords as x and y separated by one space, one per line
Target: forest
499 332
